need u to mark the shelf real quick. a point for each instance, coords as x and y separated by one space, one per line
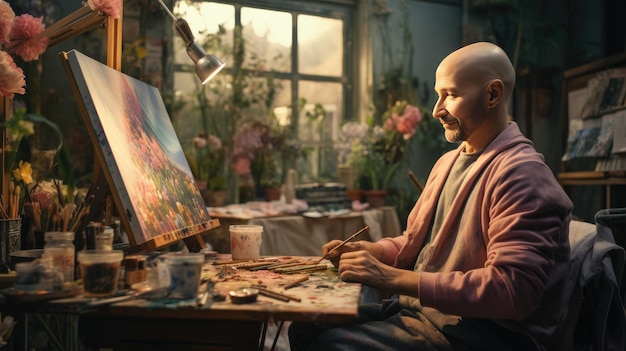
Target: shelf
592 178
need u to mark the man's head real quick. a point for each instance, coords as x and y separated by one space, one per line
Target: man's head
474 85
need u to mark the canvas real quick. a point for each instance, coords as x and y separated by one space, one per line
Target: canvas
134 138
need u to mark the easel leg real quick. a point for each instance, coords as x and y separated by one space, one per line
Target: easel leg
195 243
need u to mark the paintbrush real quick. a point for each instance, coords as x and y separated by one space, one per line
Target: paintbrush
344 242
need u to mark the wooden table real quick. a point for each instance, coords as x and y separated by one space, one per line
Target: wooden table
183 325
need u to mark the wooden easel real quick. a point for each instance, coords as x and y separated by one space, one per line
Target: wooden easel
103 199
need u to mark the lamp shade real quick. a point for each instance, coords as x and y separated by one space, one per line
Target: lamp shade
207 66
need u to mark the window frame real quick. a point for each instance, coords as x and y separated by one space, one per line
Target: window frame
345 10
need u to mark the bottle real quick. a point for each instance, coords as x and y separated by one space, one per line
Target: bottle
60 247
247 191
290 186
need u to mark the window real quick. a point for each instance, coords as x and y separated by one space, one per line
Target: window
295 61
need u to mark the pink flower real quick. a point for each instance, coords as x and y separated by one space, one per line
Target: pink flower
12 79
199 141
390 125
214 142
24 40
241 165
6 21
110 8
408 121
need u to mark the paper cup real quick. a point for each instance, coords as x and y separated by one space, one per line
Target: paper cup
185 270
99 270
245 241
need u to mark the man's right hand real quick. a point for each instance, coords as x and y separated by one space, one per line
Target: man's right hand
373 248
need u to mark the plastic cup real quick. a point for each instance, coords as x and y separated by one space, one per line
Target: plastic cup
245 241
99 270
185 270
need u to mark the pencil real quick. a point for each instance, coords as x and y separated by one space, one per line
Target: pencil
345 241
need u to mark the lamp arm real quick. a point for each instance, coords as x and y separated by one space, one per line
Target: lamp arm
183 29
167 10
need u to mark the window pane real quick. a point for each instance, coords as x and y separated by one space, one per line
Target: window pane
268 39
319 131
204 19
320 45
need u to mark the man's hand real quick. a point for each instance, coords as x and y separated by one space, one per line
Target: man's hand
363 267
373 248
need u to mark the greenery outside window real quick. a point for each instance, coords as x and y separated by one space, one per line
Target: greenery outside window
288 60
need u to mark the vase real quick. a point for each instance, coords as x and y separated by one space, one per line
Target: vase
348 176
354 194
215 198
247 191
272 194
9 237
376 198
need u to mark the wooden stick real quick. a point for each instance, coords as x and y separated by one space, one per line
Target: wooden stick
276 295
416 182
219 263
344 242
296 268
296 282
308 270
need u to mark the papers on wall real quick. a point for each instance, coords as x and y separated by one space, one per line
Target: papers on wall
576 101
597 117
604 93
619 132
593 139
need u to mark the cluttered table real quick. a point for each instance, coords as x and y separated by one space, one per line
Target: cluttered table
231 312
301 234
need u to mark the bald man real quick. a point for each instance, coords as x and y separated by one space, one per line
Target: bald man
482 263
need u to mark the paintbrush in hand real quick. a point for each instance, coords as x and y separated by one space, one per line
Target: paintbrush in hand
362 230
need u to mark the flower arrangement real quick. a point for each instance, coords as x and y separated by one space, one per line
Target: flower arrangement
265 151
206 160
27 37
19 35
378 151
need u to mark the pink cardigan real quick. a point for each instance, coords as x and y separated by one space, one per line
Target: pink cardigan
502 253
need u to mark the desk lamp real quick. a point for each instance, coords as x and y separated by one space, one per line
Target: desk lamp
207 66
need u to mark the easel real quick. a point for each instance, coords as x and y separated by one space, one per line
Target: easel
102 201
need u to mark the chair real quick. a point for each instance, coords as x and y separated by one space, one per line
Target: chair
593 313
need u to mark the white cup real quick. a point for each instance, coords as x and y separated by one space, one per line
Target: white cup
185 271
245 241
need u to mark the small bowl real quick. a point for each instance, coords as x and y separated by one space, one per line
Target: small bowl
244 295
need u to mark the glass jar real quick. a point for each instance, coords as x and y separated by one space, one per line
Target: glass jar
60 247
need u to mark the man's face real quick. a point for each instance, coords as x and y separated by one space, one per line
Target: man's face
459 107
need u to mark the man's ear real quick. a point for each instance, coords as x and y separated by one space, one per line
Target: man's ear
495 90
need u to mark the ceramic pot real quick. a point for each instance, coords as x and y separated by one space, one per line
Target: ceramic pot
376 198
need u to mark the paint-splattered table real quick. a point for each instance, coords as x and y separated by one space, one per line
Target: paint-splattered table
224 325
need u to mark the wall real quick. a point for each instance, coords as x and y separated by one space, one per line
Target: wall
435 30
